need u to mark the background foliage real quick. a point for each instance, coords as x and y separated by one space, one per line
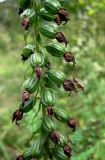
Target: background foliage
86 34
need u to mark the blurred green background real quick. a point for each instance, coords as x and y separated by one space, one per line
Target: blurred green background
86 34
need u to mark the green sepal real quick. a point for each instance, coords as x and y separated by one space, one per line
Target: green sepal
27 13
61 114
27 154
49 30
56 77
27 51
30 14
48 124
52 6
37 59
59 154
48 97
63 140
28 106
31 84
46 15
49 83
55 49
36 149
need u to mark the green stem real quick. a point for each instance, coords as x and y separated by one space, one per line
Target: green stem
46 145
36 23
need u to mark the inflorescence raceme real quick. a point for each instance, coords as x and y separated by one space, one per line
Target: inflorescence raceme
44 17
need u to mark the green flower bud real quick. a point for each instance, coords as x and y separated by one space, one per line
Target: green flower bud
59 154
28 106
46 15
37 59
28 13
27 18
49 30
55 49
27 154
49 83
61 114
31 84
48 97
27 51
36 150
48 124
63 140
57 77
52 6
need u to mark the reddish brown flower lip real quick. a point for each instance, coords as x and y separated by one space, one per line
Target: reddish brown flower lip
38 72
67 150
72 123
50 111
68 56
25 96
55 136
78 83
64 15
25 23
58 19
69 86
61 38
17 116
